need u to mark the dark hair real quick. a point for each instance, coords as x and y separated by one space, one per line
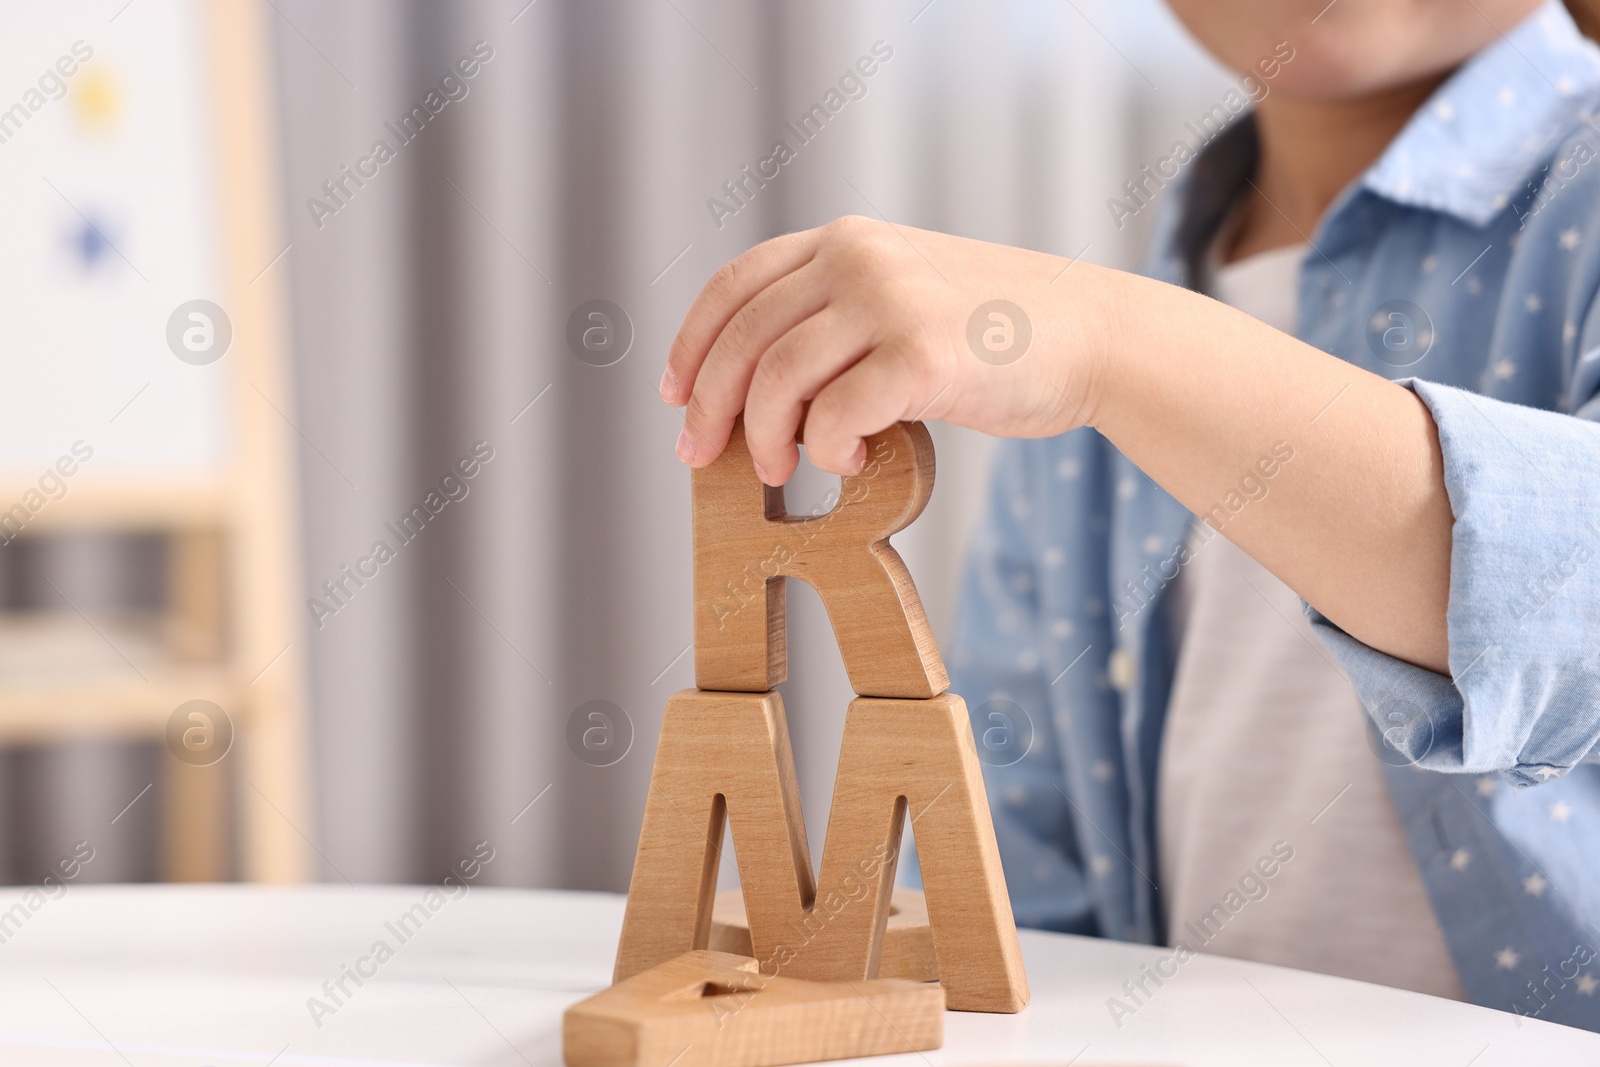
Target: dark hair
1586 13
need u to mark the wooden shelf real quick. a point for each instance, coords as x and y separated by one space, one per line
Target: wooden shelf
128 506
64 675
229 629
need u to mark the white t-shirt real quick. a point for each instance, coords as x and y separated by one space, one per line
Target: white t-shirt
1266 743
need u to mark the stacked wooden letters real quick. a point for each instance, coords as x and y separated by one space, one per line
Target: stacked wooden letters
724 759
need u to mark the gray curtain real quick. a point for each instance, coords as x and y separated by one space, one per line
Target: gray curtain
430 311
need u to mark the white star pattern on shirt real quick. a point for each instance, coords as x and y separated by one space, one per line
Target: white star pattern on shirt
1100 865
1102 770
1153 545
1535 884
1016 796
1587 984
1127 488
1532 302
1061 628
1120 668
1505 370
1474 286
1506 959
1547 773
1429 263
1560 811
1569 239
1068 469
1459 859
1486 787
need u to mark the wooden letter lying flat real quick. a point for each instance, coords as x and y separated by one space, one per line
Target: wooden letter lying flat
745 545
715 1009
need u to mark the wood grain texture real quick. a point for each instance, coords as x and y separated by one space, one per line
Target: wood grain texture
718 753
715 1009
746 545
907 938
726 756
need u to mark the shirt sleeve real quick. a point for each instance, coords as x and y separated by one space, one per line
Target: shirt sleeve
1523 694
995 667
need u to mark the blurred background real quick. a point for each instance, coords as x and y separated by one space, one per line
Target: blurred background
400 317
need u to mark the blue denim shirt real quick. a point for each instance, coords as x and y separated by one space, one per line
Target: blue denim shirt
1464 264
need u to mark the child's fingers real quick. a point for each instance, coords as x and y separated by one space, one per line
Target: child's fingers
793 370
723 381
728 290
889 385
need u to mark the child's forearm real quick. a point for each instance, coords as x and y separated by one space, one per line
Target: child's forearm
1203 398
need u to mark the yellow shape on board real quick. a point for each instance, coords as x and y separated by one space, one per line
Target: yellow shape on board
97 98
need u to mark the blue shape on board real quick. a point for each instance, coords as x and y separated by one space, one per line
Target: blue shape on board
90 243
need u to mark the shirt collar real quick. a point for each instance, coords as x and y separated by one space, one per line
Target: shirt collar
1484 133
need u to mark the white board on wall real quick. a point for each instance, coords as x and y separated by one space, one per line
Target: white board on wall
107 188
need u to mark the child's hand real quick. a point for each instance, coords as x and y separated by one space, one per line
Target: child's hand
876 322
871 323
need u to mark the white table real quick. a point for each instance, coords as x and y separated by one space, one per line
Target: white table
221 976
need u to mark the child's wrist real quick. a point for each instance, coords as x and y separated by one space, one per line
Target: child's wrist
1106 318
